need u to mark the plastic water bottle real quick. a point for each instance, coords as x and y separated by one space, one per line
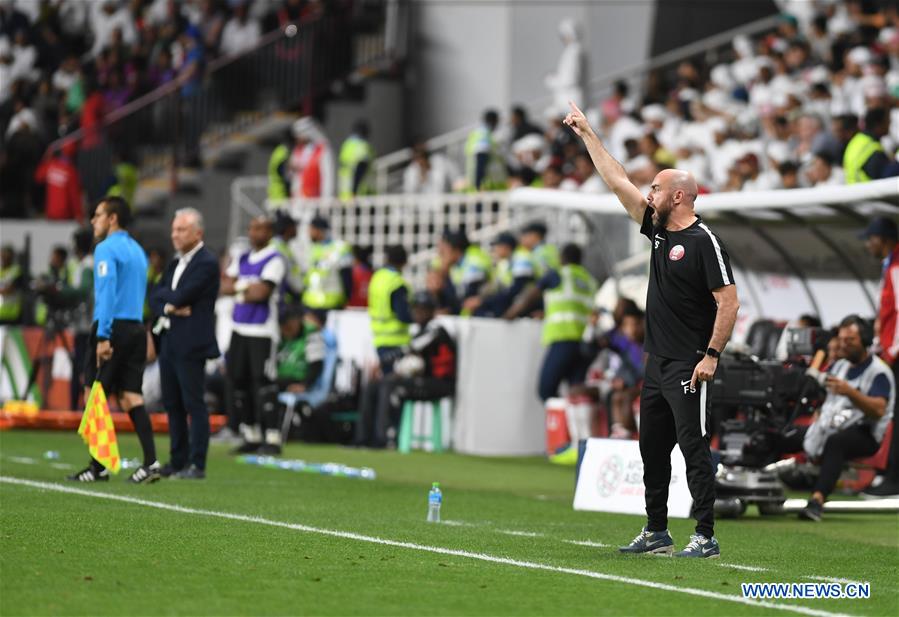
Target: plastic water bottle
435 498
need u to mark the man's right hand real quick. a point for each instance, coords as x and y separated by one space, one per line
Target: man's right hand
578 121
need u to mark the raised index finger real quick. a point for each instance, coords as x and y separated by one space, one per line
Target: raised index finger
575 108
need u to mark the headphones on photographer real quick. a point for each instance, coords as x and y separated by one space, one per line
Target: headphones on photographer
865 328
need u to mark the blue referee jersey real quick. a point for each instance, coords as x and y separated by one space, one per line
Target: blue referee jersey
120 281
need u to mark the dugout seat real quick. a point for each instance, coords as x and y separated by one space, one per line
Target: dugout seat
866 468
319 392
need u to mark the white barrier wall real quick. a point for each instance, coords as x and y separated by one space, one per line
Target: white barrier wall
497 411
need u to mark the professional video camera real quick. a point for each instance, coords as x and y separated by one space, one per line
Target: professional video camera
752 401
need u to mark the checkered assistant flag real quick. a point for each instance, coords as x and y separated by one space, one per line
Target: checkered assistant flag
98 431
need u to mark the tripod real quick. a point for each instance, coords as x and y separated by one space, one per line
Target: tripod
52 335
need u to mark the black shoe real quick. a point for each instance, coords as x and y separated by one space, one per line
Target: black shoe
168 470
146 474
887 488
90 474
191 473
247 447
269 449
813 511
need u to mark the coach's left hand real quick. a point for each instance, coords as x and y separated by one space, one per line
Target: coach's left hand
104 351
704 371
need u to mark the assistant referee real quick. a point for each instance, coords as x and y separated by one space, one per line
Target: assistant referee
691 308
117 351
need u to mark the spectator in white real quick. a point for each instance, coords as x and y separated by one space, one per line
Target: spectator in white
821 171
692 158
810 138
641 170
753 178
73 17
744 68
67 74
789 175
819 101
762 91
24 58
723 152
778 153
241 33
618 127
585 174
107 16
848 92
566 83
23 117
676 128
719 97
161 12
530 156
429 174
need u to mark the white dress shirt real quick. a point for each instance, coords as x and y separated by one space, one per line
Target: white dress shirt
182 264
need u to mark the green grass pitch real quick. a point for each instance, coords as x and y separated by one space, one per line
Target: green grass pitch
250 540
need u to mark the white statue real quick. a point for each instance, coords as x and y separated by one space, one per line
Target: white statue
566 83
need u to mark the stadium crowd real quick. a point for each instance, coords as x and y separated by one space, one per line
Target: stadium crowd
66 64
812 103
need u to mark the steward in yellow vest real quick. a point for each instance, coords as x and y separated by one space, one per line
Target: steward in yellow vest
466 269
864 159
484 167
513 271
568 299
388 308
329 274
356 173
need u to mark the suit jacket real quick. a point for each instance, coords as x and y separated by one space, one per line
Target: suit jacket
193 337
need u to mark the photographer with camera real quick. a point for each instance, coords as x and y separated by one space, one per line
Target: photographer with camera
852 421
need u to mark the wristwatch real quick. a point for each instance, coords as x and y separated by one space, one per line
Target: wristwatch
713 353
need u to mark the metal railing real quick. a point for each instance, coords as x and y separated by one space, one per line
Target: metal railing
174 123
389 168
414 221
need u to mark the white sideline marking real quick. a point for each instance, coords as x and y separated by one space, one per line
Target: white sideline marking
831 579
452 523
22 460
523 534
587 543
530 565
747 568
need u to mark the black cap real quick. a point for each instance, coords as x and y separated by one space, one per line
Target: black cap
423 299
456 239
320 222
535 227
881 226
283 221
505 238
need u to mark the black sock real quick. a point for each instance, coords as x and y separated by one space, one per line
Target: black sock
141 420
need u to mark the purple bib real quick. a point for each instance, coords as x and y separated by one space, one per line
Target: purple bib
252 312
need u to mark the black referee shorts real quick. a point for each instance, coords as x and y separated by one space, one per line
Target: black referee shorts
671 413
124 371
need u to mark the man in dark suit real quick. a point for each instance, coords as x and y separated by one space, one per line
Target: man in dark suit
184 303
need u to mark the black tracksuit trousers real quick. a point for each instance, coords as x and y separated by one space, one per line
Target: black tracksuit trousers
671 413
